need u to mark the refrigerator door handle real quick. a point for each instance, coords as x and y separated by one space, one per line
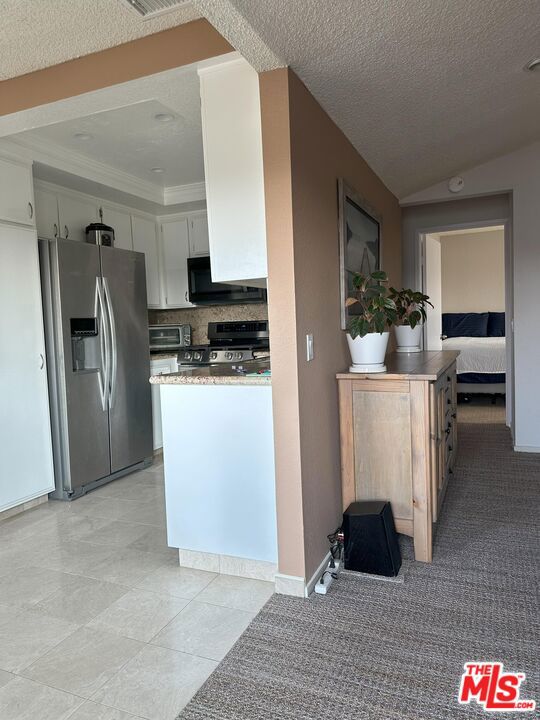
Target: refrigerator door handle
114 352
103 375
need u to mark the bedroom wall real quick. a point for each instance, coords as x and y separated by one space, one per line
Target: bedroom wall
473 272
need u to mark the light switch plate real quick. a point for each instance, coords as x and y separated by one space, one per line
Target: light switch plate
309 347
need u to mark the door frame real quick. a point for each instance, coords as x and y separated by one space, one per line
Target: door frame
506 223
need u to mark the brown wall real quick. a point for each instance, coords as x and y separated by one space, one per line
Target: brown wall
304 297
181 45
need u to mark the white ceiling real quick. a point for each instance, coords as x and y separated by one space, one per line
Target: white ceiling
38 33
423 88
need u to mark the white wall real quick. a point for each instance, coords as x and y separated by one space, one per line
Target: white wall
432 287
518 173
473 271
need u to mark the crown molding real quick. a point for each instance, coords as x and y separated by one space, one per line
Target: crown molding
49 153
176 194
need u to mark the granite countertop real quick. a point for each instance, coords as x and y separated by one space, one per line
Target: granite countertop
216 375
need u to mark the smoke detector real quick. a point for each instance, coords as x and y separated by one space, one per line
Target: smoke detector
148 9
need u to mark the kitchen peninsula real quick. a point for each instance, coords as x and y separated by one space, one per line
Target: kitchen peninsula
218 450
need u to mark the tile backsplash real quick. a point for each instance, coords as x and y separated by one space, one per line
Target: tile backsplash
199 317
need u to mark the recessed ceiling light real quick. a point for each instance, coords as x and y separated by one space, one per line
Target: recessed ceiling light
83 136
533 65
157 170
164 117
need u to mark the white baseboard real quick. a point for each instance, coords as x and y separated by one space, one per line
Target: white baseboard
526 449
290 585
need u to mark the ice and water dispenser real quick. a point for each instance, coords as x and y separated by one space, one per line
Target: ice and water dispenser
85 349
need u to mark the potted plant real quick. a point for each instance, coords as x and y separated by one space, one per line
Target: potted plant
368 330
411 314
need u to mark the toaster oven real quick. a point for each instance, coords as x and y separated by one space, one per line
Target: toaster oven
169 338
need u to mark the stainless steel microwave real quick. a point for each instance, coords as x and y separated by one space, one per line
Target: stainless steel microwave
203 291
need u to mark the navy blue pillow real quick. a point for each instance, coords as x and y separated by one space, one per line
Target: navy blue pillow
464 324
495 327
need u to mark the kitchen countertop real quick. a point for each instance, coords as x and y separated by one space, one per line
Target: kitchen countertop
163 356
214 375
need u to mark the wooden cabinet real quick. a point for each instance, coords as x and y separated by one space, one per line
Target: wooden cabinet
233 164
398 439
199 243
47 223
26 464
145 240
74 214
16 192
175 238
120 221
163 366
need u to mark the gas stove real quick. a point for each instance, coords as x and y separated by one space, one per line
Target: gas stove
230 342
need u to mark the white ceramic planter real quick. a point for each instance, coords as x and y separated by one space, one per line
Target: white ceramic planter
368 353
408 338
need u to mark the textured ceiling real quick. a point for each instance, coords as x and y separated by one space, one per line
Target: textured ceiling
423 88
38 33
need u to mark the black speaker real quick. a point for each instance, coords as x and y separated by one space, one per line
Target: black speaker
370 538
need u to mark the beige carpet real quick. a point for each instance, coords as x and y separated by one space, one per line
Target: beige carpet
480 410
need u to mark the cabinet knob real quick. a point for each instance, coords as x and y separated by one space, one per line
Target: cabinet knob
66 231
186 296
42 364
55 230
30 210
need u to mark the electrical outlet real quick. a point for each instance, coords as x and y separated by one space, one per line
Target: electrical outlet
309 347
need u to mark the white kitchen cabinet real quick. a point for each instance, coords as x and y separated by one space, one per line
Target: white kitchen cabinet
75 213
16 192
145 240
26 465
159 367
233 163
175 243
199 243
120 221
46 214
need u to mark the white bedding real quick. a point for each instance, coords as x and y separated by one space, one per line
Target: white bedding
478 354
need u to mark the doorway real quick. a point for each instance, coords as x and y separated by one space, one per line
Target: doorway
464 271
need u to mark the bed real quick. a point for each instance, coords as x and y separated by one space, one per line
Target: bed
480 339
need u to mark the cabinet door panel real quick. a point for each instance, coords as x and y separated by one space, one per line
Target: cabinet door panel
120 222
26 467
16 195
175 254
159 367
145 241
199 243
74 215
46 214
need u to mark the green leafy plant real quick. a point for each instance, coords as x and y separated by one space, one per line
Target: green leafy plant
410 306
377 310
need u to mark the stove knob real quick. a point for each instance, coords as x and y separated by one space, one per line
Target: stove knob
238 356
228 356
197 356
187 356
213 355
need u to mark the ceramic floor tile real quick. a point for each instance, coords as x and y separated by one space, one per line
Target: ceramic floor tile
94 506
126 567
26 635
75 557
115 534
22 699
236 592
92 711
209 631
154 540
28 585
139 614
5 677
83 662
157 683
151 513
71 527
177 581
81 601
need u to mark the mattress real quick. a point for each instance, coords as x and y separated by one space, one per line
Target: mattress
478 354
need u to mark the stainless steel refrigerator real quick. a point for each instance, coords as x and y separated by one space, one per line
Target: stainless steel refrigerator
98 361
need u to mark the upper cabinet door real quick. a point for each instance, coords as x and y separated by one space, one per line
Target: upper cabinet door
74 215
233 163
145 240
176 241
120 222
46 214
16 193
199 243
